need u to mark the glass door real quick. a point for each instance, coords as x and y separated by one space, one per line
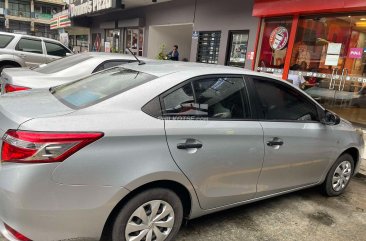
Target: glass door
238 43
135 40
330 61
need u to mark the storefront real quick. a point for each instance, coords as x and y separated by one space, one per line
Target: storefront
323 44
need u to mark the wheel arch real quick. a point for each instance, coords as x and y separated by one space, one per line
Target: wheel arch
10 62
355 154
181 190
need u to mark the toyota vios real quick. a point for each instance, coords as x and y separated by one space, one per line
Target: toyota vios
128 153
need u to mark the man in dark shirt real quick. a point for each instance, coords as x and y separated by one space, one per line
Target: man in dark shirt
174 54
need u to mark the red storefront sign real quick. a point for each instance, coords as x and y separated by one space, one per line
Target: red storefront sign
290 7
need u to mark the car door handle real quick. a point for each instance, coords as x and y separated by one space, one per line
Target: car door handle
182 146
275 142
22 55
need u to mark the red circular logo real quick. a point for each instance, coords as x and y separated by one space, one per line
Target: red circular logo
278 38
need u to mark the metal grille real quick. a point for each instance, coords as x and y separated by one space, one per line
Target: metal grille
208 47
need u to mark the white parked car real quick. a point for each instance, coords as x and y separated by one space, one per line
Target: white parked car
60 71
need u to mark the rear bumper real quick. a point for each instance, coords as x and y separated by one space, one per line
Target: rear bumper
42 210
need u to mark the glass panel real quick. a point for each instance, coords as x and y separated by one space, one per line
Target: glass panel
329 53
279 102
113 37
100 86
275 35
238 48
223 97
208 47
30 45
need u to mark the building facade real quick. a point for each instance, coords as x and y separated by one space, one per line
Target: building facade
29 16
209 31
323 42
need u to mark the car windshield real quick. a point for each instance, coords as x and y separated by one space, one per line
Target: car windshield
99 87
61 64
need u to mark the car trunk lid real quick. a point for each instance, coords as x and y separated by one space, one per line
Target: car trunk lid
19 107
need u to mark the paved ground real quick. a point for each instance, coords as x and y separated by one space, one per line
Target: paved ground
304 215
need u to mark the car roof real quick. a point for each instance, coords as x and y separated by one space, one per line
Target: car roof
29 36
162 68
109 56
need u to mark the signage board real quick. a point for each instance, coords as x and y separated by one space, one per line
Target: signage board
334 48
332 60
355 53
83 7
279 38
60 20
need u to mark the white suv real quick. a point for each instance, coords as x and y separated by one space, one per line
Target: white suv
17 50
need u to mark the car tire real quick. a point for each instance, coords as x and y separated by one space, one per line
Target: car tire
339 176
6 66
138 212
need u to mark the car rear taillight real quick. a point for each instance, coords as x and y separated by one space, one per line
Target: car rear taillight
43 147
16 234
13 88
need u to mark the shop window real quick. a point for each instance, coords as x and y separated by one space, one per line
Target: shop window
273 48
208 47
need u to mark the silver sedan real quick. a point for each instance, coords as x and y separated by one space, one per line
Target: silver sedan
128 153
60 71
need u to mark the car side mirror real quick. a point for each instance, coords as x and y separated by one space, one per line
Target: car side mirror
331 119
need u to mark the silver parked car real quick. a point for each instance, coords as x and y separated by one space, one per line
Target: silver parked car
17 50
60 71
130 152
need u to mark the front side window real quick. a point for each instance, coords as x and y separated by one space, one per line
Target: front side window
211 97
99 87
280 102
30 46
56 49
5 40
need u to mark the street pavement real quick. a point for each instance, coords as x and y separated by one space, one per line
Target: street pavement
304 215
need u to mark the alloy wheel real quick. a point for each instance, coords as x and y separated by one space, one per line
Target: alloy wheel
341 176
152 221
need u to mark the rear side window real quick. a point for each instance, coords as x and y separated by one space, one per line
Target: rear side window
99 87
56 49
62 64
30 46
212 97
5 40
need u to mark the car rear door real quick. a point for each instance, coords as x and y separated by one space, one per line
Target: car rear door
31 50
298 148
213 139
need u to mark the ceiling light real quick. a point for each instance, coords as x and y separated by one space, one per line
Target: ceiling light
363 19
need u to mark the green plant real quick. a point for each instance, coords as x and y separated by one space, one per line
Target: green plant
162 54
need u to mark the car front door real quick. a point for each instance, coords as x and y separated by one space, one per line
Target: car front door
31 51
55 51
213 140
298 148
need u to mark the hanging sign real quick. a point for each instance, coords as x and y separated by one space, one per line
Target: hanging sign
279 38
334 48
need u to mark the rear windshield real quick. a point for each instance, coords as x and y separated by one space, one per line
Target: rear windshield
62 64
99 87
5 40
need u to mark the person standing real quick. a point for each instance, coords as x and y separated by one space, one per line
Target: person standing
174 54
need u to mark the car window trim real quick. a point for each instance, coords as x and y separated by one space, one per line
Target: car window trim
258 108
28 38
191 80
